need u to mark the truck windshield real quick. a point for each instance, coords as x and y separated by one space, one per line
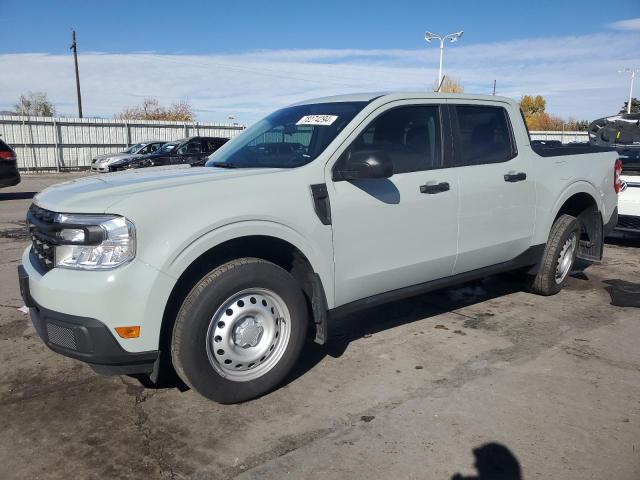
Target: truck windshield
287 138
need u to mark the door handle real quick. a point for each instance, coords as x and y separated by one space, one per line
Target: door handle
434 188
515 177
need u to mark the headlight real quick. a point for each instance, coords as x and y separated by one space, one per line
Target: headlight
94 242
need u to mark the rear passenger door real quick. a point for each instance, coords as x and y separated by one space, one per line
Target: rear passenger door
497 196
395 232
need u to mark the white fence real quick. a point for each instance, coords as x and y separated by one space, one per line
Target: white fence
564 137
49 143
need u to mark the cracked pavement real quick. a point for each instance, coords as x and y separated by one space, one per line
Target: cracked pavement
407 390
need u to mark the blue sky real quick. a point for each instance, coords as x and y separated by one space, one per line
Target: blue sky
245 58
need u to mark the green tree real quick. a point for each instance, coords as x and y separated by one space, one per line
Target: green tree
34 104
635 106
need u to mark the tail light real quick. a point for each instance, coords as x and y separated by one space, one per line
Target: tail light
7 156
617 171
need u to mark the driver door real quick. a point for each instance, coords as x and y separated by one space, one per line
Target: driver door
395 232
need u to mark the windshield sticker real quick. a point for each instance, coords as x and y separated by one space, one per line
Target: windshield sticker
317 120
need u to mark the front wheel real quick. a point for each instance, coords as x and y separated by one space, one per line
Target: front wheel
558 257
240 330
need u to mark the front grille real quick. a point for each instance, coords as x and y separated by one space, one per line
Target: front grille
628 222
41 229
62 336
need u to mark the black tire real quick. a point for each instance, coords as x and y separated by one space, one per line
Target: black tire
545 282
188 346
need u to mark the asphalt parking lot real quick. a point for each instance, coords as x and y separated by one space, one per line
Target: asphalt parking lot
458 382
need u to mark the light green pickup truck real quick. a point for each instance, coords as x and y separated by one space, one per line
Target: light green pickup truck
220 273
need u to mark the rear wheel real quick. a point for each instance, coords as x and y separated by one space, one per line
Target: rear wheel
558 257
240 330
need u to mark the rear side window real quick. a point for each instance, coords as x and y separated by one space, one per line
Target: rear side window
484 135
409 135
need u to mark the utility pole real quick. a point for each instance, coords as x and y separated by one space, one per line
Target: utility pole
75 59
494 88
633 72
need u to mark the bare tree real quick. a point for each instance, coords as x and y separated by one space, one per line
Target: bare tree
449 85
150 109
34 104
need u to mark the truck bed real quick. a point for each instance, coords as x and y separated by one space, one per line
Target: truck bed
554 150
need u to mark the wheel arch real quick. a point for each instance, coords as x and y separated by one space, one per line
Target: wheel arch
580 201
206 256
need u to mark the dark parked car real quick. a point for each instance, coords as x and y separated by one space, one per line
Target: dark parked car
193 151
9 174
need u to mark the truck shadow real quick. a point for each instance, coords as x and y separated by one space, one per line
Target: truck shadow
493 461
347 328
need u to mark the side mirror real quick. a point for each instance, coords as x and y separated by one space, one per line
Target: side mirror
365 164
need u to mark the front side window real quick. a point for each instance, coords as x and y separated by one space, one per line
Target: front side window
134 148
189 148
167 147
484 135
148 149
287 138
410 136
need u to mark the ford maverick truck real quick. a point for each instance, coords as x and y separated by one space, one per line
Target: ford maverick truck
220 273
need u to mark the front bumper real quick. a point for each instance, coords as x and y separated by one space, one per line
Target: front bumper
133 294
99 168
83 338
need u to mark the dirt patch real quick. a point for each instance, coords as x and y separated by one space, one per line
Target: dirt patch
19 232
13 329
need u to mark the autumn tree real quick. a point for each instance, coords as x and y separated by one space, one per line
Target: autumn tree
150 109
533 109
531 106
449 85
34 104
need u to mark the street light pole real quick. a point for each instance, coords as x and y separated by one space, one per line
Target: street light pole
75 59
633 72
452 37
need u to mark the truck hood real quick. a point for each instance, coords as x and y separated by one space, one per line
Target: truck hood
96 193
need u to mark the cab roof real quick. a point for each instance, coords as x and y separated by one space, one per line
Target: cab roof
390 96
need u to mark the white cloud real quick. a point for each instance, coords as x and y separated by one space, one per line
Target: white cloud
577 74
629 24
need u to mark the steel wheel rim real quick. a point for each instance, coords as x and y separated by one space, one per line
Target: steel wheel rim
565 259
248 334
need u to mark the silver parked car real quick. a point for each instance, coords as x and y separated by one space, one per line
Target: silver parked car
101 162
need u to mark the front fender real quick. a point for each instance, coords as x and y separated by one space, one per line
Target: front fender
322 263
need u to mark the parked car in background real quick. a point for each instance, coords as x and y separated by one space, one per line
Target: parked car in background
140 161
9 174
193 151
101 162
629 198
330 205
